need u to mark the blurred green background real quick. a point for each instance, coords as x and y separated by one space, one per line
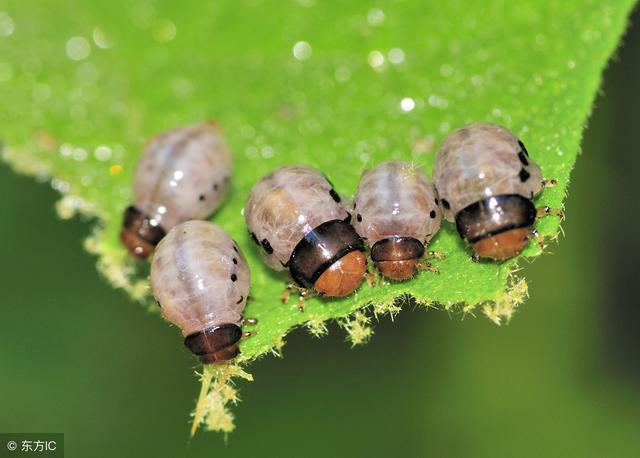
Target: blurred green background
563 379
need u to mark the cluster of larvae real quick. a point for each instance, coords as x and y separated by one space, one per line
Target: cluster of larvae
484 181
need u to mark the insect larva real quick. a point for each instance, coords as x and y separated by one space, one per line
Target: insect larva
486 182
183 174
201 281
295 215
396 212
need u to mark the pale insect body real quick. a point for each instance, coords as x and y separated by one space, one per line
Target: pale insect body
183 174
201 281
396 212
486 182
297 218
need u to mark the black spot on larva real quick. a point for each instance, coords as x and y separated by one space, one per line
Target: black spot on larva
523 147
235 261
523 158
159 304
531 195
334 195
234 277
348 218
436 200
235 248
254 238
215 186
201 198
241 299
354 205
267 246
432 214
359 217
524 175
445 204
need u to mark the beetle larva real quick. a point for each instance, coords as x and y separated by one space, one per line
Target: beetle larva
486 182
201 281
295 215
396 212
183 174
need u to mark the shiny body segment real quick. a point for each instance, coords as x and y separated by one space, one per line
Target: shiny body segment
200 279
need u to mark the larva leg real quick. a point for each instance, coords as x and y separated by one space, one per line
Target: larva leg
372 277
423 264
434 255
292 288
535 235
541 212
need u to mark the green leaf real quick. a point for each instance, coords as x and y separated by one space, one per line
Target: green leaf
83 85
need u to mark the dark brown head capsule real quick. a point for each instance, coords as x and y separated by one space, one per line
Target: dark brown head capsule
497 227
397 257
330 259
140 234
215 344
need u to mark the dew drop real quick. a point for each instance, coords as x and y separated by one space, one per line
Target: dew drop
376 60
100 39
6 25
102 153
302 50
251 152
78 48
79 154
66 150
375 17
476 80
437 102
407 104
396 56
342 74
164 31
